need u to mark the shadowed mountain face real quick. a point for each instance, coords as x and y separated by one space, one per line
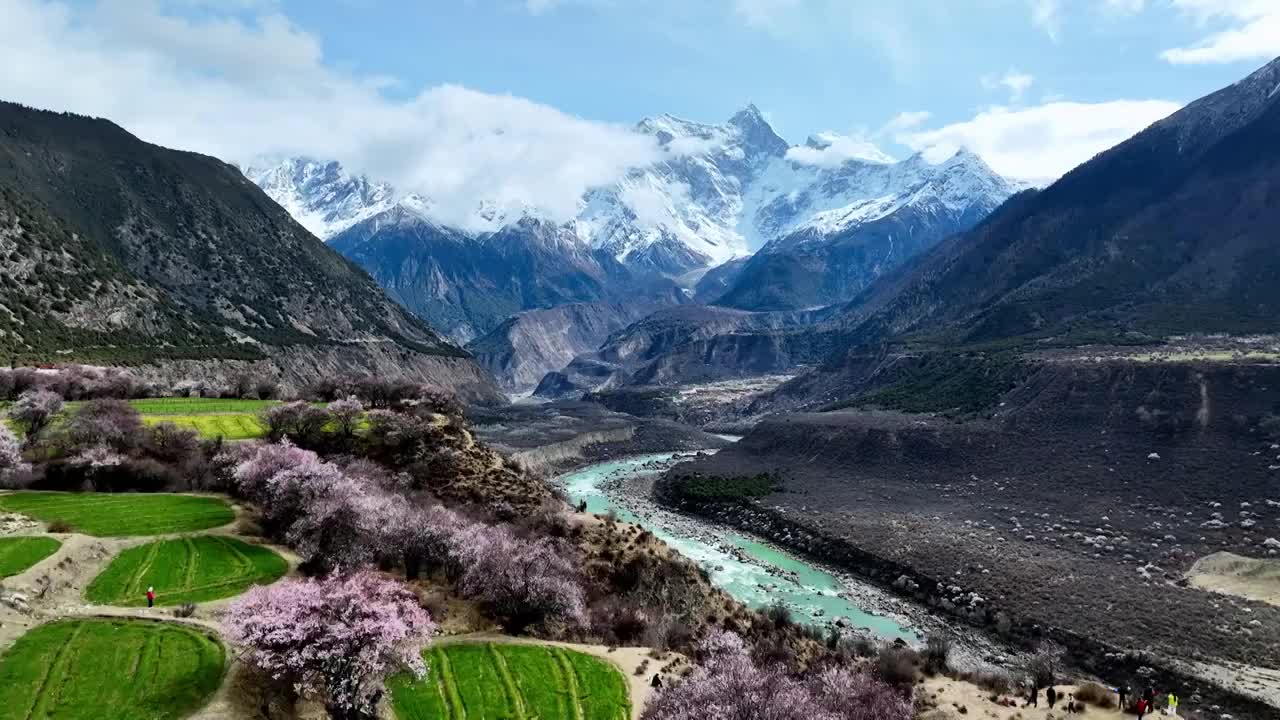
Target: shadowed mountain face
468 285
117 250
1172 231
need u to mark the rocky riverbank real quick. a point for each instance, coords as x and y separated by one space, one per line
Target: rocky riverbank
630 491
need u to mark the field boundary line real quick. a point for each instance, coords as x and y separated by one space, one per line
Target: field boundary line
459 708
508 682
571 680
140 573
57 661
193 554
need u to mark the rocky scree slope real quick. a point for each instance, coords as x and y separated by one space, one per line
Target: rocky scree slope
524 348
116 250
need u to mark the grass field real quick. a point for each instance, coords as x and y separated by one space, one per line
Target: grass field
211 417
494 680
194 569
228 426
112 515
19 553
99 669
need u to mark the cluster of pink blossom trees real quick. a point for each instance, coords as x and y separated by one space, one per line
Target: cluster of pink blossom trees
11 462
729 685
337 637
338 520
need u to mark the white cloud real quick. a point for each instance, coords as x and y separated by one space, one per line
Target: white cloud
1044 141
1046 16
1015 82
201 85
835 149
907 120
1254 32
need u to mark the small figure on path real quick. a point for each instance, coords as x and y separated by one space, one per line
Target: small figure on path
1052 695
1173 704
1142 708
1124 692
1033 700
151 596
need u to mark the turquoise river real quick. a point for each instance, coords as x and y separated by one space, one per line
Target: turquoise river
814 594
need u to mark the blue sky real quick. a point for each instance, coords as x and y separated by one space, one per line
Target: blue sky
842 65
530 102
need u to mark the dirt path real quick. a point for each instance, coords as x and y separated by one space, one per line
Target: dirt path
953 700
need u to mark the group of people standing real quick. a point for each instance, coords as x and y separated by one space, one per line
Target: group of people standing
1147 703
1144 705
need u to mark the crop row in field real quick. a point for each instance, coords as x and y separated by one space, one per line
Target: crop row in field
494 680
194 569
114 515
19 553
100 669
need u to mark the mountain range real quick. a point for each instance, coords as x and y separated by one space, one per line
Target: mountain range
734 216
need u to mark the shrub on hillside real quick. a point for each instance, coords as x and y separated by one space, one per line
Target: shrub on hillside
897 665
937 654
1044 667
338 638
735 687
1095 694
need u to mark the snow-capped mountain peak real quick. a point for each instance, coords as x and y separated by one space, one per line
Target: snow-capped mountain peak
721 192
321 196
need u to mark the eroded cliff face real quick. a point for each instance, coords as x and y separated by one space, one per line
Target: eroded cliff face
522 350
295 367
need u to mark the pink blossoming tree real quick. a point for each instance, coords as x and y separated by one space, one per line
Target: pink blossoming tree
729 686
524 580
34 410
338 637
11 461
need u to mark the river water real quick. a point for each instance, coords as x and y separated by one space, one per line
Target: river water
755 573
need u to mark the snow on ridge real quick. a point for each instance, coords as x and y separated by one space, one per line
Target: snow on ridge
721 192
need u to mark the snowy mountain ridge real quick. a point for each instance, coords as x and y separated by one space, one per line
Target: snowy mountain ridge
724 192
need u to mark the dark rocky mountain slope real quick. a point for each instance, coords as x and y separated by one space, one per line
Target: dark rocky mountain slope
1170 232
116 250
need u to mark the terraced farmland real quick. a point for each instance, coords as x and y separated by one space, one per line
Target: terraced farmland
194 569
228 426
495 680
100 669
112 515
19 553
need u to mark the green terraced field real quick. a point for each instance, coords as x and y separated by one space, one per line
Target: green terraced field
496 680
243 426
199 406
100 669
228 419
19 553
117 514
194 569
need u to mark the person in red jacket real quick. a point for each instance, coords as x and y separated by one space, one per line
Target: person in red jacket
151 597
